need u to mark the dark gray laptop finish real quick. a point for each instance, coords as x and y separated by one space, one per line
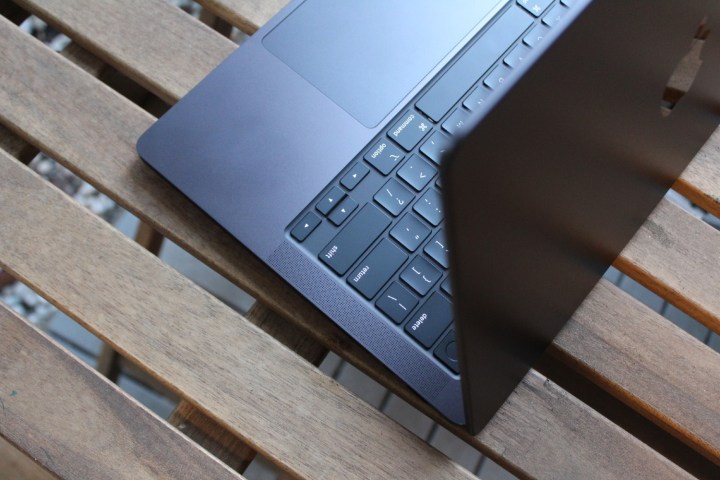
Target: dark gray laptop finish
547 189
262 141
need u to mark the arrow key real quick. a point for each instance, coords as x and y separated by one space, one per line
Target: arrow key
343 211
329 201
305 227
354 176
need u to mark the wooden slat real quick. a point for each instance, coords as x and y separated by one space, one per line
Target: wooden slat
15 465
196 48
643 359
701 180
275 401
211 435
260 390
175 216
78 425
247 15
678 256
205 432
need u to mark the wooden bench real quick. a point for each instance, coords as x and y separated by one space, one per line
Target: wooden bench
622 393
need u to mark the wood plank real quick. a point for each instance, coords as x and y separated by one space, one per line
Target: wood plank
678 257
205 431
85 426
209 433
276 402
127 26
648 363
150 198
247 15
281 405
15 465
701 180
16 146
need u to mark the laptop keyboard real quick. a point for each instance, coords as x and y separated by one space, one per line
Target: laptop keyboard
379 225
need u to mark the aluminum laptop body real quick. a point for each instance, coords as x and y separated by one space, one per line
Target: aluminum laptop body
314 145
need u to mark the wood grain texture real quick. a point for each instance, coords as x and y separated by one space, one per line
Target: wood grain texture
701 180
116 31
207 433
15 465
19 148
174 215
247 15
678 256
76 424
644 360
279 404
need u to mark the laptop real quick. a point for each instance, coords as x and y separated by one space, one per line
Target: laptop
446 181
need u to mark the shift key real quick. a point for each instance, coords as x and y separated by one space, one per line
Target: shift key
354 239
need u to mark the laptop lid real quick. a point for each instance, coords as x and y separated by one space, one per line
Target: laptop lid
557 177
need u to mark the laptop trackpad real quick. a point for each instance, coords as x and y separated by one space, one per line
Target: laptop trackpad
367 56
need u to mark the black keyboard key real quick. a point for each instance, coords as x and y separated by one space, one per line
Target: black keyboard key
476 98
396 302
535 7
377 268
384 156
305 227
430 207
329 201
430 321
354 176
555 15
517 56
420 275
446 287
343 211
437 249
394 197
417 172
536 35
354 239
497 77
455 122
436 146
410 129
446 352
474 63
410 232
